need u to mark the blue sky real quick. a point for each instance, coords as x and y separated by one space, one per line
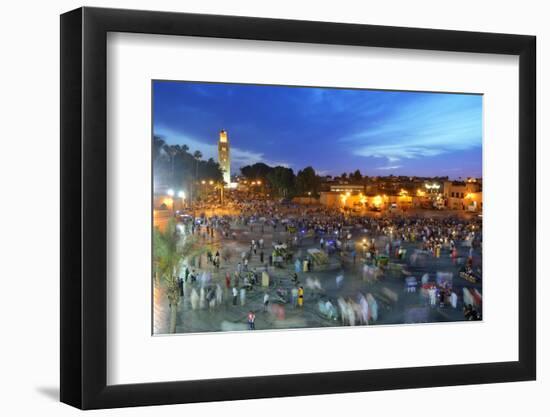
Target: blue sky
333 130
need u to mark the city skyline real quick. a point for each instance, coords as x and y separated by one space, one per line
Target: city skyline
376 131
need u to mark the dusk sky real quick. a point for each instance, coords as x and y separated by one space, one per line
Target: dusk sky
332 130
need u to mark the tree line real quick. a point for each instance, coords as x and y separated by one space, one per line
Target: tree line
282 181
176 167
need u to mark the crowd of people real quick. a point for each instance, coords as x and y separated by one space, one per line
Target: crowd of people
265 229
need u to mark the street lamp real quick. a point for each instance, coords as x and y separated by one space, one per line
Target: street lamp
180 194
170 192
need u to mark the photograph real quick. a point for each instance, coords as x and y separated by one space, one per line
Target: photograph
288 207
349 196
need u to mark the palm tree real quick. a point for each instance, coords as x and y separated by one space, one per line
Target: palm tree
197 155
158 145
171 151
169 252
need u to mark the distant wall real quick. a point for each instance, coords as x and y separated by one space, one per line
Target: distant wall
305 200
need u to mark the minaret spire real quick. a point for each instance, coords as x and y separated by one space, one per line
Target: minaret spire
224 157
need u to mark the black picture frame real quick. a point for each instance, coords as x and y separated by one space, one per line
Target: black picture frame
84 207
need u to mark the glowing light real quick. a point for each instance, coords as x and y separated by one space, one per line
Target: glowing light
203 182
344 197
181 194
377 201
170 192
210 182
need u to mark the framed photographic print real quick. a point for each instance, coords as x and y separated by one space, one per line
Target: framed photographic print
258 207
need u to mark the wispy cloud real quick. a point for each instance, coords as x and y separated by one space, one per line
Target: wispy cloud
433 126
389 167
240 157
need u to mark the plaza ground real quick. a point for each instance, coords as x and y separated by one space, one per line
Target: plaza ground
395 305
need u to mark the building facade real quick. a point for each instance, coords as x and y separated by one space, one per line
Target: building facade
463 195
224 157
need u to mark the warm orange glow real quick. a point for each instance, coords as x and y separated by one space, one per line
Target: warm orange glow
344 197
377 201
420 193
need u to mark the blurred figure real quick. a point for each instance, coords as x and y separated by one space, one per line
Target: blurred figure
351 312
314 284
235 295
432 295
343 311
243 296
297 266
327 309
251 319
425 279
266 301
454 299
410 284
194 299
219 294
294 295
373 307
301 296
364 309
202 298
278 311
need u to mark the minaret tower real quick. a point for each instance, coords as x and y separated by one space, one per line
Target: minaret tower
224 157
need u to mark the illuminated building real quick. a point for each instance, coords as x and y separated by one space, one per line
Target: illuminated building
224 157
